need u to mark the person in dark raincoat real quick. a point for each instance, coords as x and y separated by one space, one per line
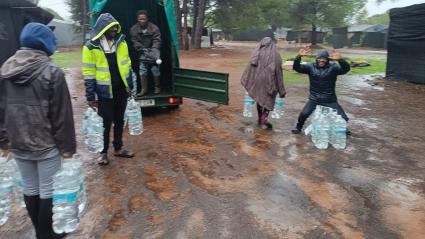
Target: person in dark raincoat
36 121
263 79
323 75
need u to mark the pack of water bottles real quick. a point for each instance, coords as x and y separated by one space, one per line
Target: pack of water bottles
93 130
10 185
69 195
327 127
133 117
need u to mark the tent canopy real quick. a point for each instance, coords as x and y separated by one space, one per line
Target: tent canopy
14 15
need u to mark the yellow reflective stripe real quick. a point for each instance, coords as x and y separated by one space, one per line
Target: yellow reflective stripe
87 65
102 69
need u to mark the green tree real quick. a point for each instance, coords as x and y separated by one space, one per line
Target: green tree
323 13
383 18
55 14
238 15
79 12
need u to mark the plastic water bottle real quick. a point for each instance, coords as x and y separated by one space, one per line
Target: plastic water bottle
86 119
322 132
94 131
66 191
277 113
77 164
248 106
6 189
134 79
134 115
19 185
339 132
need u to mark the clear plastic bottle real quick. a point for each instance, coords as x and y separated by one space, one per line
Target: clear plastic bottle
66 188
339 133
277 113
6 189
94 132
77 164
134 115
19 186
248 106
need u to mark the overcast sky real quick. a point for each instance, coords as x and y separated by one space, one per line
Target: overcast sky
60 6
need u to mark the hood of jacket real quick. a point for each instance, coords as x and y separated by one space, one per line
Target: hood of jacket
23 67
103 23
323 53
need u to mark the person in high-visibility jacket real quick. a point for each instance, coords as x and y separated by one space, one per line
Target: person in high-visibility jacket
107 75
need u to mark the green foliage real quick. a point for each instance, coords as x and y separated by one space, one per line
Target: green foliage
324 13
77 11
238 15
383 18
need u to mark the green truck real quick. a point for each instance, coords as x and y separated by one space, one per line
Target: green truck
176 82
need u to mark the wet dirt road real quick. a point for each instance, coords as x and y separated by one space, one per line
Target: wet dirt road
204 171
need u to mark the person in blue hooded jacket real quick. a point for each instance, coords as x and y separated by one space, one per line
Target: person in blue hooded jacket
322 75
36 121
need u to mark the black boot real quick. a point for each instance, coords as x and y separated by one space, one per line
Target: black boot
32 204
45 221
157 82
297 129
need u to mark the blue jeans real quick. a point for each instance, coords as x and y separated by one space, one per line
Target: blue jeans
145 67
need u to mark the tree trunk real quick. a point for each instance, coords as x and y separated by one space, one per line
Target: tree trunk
178 12
199 23
194 20
185 33
313 34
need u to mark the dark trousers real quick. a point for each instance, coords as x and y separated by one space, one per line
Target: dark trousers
311 106
112 111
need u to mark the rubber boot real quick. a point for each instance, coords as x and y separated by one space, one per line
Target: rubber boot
144 85
265 124
297 129
32 204
157 81
260 112
45 221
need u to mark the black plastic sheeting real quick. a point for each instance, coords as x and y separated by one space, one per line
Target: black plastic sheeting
406 44
14 15
305 36
253 35
339 37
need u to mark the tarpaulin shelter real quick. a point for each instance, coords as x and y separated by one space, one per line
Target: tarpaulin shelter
14 15
175 81
406 44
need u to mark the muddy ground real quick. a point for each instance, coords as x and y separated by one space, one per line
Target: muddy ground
204 171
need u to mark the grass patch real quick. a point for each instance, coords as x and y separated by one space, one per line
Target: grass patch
68 59
294 78
376 66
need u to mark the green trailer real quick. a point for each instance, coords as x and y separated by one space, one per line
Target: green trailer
176 82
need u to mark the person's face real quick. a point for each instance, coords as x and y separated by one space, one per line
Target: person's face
143 20
112 32
322 61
